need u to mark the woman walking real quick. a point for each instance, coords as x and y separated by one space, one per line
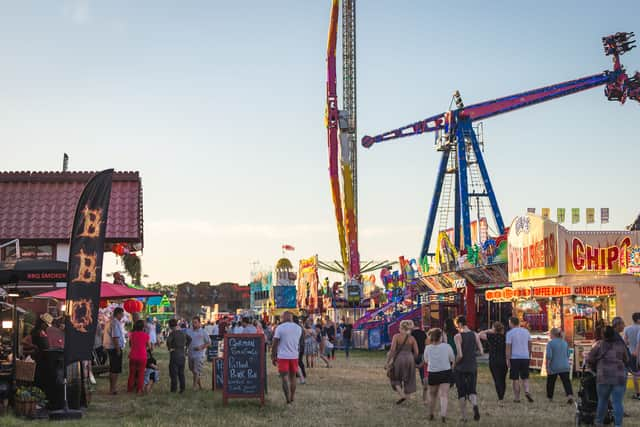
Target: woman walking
608 358
401 361
450 331
139 341
495 339
558 365
310 347
439 358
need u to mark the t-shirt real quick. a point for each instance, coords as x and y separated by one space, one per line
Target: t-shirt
113 330
421 337
631 334
558 356
215 330
151 361
439 357
209 329
249 329
138 341
346 332
519 339
177 341
288 334
199 337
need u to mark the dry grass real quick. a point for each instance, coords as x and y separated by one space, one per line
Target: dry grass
353 393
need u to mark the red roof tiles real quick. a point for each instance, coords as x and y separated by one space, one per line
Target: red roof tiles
41 205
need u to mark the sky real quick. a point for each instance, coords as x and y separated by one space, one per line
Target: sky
220 107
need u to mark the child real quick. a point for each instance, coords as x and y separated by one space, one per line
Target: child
325 350
151 373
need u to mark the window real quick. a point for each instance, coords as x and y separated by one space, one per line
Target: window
8 254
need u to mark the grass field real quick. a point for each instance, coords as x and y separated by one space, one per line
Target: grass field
352 393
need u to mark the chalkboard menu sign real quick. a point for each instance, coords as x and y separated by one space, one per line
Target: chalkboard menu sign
218 373
212 351
244 367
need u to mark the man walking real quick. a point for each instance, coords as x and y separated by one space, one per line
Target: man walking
114 342
284 353
421 339
347 333
466 369
631 340
177 343
518 356
199 343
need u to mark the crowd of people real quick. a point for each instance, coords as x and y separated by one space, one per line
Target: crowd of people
442 358
295 339
449 357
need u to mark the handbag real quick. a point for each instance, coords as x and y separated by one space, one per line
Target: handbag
390 365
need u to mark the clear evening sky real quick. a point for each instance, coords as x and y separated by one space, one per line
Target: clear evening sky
220 104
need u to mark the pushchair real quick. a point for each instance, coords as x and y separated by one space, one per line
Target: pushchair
587 402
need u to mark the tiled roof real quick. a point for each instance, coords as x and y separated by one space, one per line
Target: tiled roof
41 205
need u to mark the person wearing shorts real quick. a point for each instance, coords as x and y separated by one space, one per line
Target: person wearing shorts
518 356
114 342
199 342
285 352
438 356
466 369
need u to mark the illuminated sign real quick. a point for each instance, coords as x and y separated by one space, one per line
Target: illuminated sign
586 257
533 248
594 291
507 294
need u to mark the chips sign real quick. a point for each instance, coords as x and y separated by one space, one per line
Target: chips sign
600 253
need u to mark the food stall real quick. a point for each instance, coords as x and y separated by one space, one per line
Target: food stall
573 280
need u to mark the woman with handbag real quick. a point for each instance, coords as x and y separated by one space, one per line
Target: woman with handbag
608 359
401 361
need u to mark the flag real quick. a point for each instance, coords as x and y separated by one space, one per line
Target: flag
560 214
591 215
575 215
546 213
86 249
531 210
604 215
288 248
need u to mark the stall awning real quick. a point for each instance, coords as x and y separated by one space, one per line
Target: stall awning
107 291
481 277
34 271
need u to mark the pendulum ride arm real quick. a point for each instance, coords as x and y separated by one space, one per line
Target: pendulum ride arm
619 87
331 121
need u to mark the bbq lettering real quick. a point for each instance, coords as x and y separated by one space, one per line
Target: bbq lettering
91 224
87 270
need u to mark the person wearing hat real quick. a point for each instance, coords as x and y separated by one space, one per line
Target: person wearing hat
40 340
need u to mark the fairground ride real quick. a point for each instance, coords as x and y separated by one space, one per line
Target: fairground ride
463 177
342 139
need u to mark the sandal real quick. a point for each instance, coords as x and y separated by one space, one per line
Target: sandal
399 402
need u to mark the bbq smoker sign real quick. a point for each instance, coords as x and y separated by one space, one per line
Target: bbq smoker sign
85 267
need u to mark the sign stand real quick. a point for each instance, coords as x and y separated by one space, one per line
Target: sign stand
244 367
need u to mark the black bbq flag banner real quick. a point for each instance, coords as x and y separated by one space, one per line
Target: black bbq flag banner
85 267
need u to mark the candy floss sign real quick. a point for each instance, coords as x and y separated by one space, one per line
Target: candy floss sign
533 248
598 252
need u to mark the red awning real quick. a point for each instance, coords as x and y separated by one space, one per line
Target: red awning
107 291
